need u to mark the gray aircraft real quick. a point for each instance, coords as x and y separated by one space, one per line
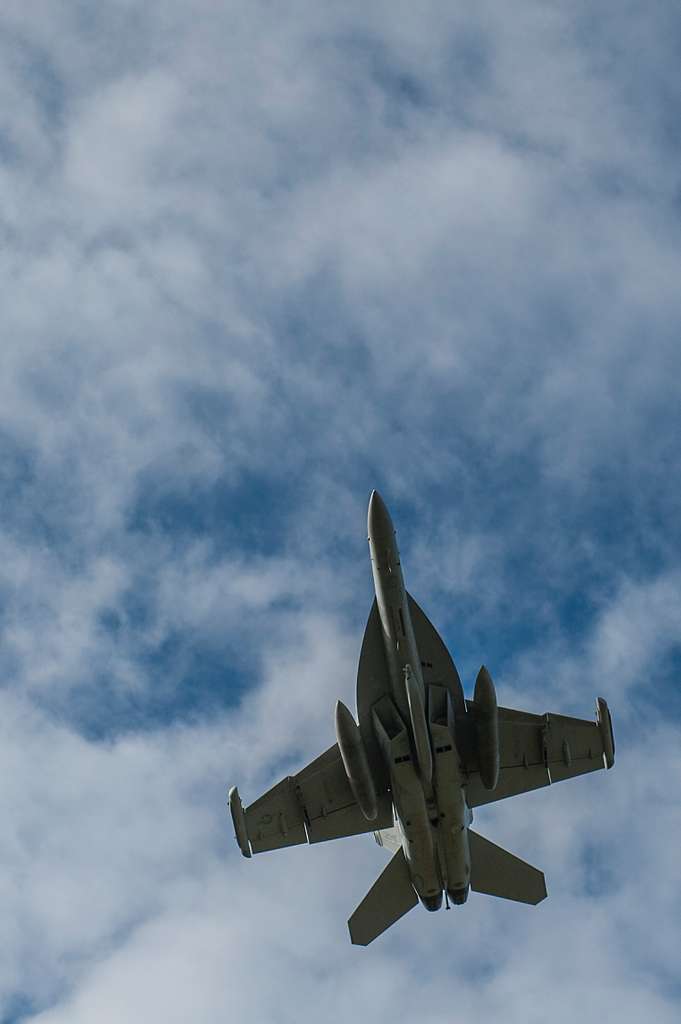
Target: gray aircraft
420 759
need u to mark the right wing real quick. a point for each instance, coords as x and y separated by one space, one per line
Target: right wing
536 750
312 806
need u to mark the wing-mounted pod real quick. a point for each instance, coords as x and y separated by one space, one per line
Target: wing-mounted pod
355 761
605 726
487 728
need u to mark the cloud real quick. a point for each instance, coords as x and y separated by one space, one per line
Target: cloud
79 817
137 881
136 887
254 266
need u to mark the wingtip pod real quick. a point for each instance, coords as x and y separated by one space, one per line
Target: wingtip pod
604 721
239 821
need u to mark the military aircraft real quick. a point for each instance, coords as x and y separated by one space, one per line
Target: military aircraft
420 759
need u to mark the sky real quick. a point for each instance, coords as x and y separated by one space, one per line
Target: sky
255 261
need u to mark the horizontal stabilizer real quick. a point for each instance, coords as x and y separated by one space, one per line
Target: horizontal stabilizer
388 899
498 873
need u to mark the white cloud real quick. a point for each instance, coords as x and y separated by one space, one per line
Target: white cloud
246 255
137 903
117 139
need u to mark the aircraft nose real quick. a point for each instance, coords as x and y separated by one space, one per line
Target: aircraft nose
379 523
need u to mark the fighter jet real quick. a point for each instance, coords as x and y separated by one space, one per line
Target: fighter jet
417 762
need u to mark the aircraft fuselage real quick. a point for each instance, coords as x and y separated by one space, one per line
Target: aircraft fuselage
416 737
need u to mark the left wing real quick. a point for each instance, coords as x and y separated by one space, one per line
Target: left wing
537 750
312 806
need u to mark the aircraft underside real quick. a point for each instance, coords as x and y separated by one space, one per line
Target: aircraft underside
416 762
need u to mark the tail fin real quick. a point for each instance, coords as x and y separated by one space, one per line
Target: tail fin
498 873
388 899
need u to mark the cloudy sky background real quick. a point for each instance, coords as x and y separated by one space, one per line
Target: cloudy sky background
256 261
